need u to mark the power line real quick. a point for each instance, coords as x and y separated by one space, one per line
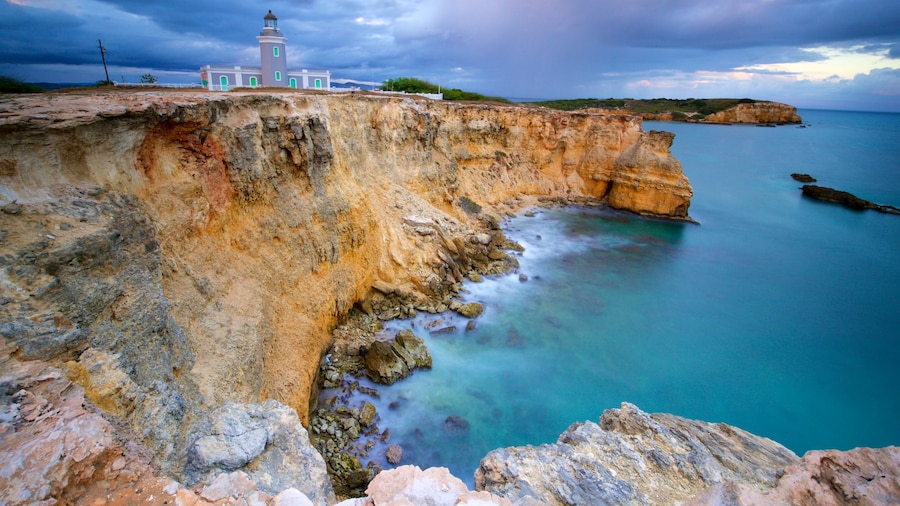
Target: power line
103 56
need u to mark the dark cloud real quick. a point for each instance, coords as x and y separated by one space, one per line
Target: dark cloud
525 48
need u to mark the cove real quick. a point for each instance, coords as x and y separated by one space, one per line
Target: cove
776 314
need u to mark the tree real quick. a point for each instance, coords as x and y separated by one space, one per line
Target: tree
148 78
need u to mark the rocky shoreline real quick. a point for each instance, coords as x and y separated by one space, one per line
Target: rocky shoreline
349 435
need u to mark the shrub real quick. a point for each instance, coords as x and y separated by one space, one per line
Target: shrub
10 85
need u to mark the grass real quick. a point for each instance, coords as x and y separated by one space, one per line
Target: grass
11 85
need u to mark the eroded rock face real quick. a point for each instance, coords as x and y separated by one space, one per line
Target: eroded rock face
83 291
757 113
48 441
632 457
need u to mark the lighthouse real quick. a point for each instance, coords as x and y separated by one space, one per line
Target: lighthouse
272 53
273 71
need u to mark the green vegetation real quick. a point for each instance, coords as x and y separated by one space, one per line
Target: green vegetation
691 108
414 85
10 85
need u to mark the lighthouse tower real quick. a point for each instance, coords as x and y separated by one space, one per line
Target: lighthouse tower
272 53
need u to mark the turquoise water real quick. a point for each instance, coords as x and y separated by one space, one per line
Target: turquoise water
777 314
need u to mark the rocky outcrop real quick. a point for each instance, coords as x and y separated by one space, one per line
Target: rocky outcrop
845 199
632 457
863 476
265 441
756 113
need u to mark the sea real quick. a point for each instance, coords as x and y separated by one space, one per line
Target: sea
775 313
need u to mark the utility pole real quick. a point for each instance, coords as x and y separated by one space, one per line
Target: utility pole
103 56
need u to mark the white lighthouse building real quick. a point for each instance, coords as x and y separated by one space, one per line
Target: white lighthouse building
272 72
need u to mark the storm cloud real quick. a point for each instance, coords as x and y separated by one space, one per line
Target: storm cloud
526 48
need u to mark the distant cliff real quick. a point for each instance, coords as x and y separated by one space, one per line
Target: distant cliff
756 113
693 110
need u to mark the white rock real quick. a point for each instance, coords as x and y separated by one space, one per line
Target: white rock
291 497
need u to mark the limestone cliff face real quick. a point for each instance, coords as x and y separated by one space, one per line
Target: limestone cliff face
756 113
186 249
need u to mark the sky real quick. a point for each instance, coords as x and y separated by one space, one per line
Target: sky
832 54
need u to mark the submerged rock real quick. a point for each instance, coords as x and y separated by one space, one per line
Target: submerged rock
456 424
632 457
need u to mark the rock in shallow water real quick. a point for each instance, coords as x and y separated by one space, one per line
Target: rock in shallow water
632 457
393 454
387 362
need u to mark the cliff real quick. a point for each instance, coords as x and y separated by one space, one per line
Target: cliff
170 260
756 113
174 251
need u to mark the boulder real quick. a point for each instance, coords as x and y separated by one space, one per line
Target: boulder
266 441
632 457
389 361
471 310
434 486
394 454
367 414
